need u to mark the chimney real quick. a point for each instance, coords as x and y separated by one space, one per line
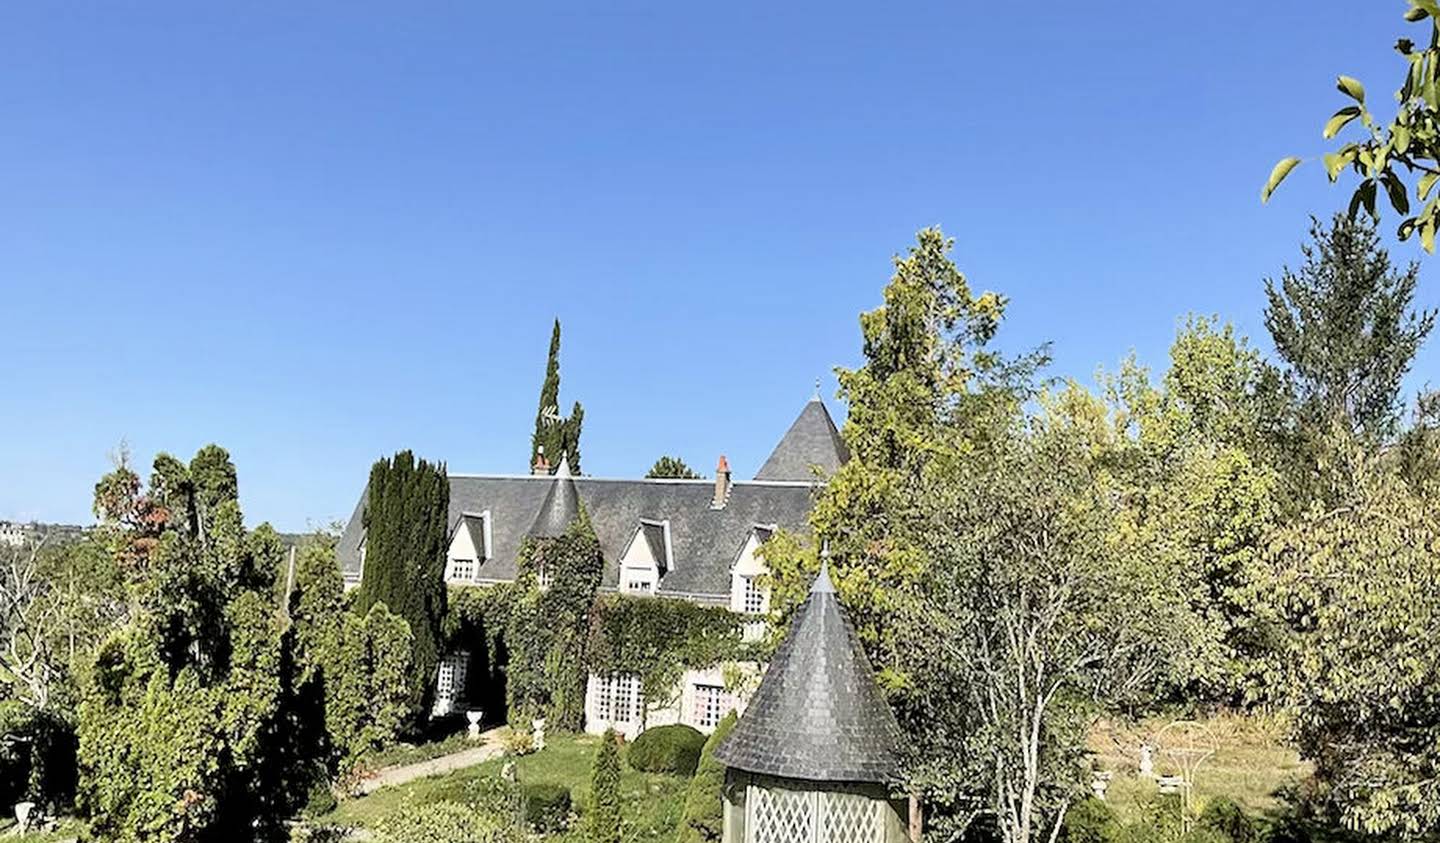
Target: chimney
722 484
542 465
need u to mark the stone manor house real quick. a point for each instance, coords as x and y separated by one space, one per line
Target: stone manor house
689 539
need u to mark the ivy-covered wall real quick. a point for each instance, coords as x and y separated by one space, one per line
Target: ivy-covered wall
542 645
659 638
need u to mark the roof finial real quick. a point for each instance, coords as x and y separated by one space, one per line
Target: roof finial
822 580
816 396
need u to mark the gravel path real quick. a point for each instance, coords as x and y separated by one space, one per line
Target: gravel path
488 748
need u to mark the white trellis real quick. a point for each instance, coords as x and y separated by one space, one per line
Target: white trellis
777 815
1188 744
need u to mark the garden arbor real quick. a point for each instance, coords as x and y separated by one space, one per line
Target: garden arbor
813 758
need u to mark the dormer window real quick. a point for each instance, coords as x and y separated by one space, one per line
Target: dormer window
747 595
754 597
470 547
647 558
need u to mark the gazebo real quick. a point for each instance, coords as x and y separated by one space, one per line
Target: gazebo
816 753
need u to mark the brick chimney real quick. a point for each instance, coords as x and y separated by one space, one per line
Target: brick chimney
722 484
542 465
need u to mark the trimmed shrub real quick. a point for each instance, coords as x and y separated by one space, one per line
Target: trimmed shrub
604 813
702 821
547 807
1222 815
667 749
1089 821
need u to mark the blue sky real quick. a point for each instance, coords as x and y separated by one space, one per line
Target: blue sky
317 233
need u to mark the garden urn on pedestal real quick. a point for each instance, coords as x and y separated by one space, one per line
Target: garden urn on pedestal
474 715
815 757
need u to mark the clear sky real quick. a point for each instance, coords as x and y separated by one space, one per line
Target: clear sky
316 233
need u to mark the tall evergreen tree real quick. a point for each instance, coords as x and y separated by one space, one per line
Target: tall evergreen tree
406 520
1346 327
556 435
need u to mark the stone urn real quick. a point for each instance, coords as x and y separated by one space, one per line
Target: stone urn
474 715
538 724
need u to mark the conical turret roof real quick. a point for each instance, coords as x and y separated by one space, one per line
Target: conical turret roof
561 505
817 714
811 441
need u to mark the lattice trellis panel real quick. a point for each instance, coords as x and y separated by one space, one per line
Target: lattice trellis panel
850 818
781 816
787 816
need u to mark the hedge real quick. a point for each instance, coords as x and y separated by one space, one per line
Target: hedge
667 749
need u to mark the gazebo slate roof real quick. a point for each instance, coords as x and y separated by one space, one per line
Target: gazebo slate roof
817 714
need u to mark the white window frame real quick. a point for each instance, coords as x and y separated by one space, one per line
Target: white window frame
617 694
711 704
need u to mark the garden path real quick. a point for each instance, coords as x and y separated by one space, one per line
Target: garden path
489 747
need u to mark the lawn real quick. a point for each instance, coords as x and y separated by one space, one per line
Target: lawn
1250 762
652 802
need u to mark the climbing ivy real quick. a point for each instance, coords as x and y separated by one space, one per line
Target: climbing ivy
550 640
659 638
546 629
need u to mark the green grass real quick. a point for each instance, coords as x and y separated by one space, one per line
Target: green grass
1251 763
67 829
652 801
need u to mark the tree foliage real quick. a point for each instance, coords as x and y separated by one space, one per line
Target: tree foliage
556 436
186 725
603 823
361 663
703 820
1358 585
1346 330
1399 157
672 467
406 522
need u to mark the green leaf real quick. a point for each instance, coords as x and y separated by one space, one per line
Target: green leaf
1277 175
1427 235
1427 182
1400 135
1335 162
1351 87
1421 9
1396 191
1340 119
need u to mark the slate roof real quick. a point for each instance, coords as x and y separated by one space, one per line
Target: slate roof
475 525
654 534
705 542
561 505
817 714
812 440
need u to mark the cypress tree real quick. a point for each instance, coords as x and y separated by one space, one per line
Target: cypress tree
605 791
703 820
570 436
406 520
557 435
547 428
